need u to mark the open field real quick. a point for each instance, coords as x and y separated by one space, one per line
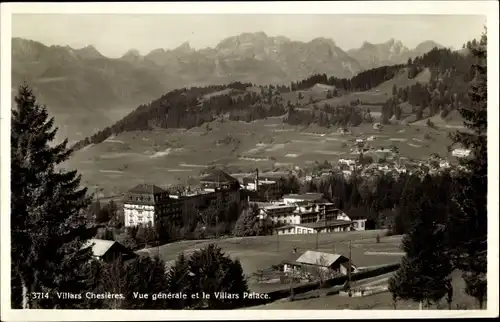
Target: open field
381 301
260 253
177 156
374 97
402 80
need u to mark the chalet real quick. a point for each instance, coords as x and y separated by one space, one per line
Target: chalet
322 88
109 250
335 264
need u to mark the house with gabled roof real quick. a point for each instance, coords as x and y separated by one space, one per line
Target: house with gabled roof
313 261
217 180
108 250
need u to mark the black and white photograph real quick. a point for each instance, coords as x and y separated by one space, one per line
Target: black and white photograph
296 161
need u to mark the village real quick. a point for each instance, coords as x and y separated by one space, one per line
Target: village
291 214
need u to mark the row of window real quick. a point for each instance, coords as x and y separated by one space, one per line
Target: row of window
139 217
131 206
140 198
311 231
296 220
304 231
139 211
139 222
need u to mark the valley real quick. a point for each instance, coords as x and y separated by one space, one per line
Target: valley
178 156
305 174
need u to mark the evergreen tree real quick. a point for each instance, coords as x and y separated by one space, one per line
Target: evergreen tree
94 210
424 275
247 224
214 272
150 235
468 245
102 214
178 282
105 233
145 275
141 236
112 278
47 209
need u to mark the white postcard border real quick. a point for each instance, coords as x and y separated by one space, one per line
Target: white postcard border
487 8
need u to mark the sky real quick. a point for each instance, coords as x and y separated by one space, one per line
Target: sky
115 34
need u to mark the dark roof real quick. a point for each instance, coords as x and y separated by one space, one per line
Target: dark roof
219 176
306 196
285 227
100 247
247 180
146 188
320 259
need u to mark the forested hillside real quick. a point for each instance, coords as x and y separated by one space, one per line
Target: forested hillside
190 107
447 90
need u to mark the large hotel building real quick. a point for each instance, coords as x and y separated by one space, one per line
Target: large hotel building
149 204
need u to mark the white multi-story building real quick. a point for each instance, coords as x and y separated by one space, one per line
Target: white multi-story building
148 204
279 213
460 153
307 217
348 162
139 205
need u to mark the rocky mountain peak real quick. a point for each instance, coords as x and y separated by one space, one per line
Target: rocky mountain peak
185 47
89 52
132 55
427 46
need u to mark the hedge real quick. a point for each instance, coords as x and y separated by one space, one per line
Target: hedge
283 293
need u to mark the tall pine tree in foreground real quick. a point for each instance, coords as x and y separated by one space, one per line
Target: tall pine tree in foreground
48 223
145 275
424 275
467 230
178 277
212 272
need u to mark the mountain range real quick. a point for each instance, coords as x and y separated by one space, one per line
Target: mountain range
86 91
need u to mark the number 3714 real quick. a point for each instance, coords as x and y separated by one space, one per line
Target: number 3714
39 295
